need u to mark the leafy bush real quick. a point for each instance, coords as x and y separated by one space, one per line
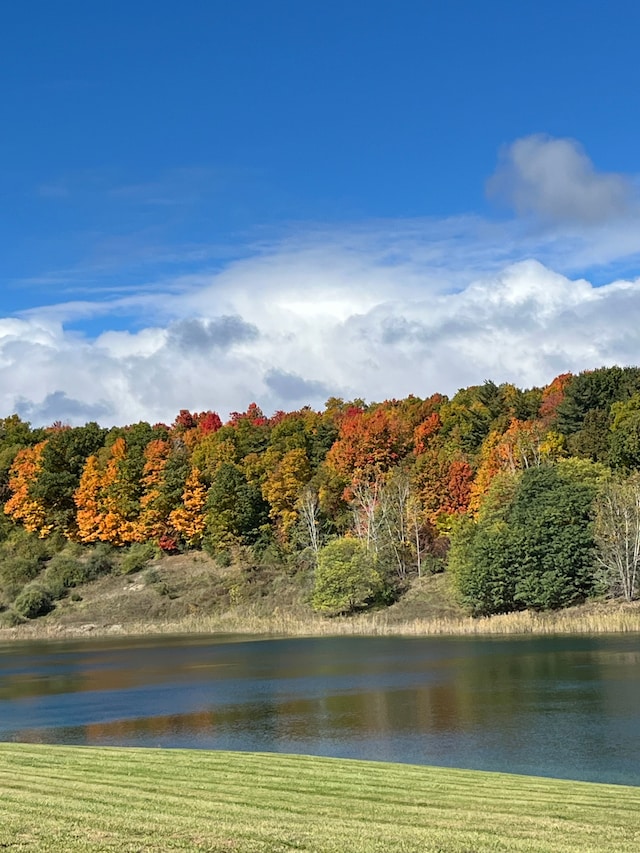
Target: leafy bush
64 573
9 619
223 559
137 557
100 561
346 577
17 571
151 576
34 600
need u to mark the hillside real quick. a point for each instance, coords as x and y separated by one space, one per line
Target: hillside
192 593
528 500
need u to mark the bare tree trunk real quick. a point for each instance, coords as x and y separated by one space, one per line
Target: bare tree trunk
309 508
365 514
617 535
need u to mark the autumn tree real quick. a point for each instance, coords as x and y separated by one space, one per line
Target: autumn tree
105 509
22 506
552 396
189 519
15 434
63 459
282 488
154 511
370 443
89 503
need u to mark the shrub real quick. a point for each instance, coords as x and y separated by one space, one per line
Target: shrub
9 619
151 576
223 559
100 561
64 573
346 577
34 600
137 557
17 571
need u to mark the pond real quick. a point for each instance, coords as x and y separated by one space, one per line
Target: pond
553 706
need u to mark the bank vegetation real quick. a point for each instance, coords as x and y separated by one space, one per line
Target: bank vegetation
526 501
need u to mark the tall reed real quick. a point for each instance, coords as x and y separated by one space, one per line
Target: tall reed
602 619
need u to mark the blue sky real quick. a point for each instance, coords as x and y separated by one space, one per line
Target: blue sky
207 203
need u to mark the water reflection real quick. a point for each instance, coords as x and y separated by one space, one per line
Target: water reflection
550 706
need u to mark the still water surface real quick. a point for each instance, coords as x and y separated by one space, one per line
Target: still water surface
564 706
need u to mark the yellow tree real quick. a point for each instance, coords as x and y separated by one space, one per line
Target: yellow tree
283 486
21 506
101 501
117 527
189 519
152 521
88 502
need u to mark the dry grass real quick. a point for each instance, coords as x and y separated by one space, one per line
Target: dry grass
587 619
190 594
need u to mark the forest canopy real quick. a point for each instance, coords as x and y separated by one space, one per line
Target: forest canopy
529 498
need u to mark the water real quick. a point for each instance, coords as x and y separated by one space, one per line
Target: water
565 706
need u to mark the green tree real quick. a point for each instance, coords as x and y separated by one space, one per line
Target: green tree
624 434
532 545
62 463
236 510
346 578
584 413
482 559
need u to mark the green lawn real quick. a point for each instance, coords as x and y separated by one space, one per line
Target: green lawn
85 798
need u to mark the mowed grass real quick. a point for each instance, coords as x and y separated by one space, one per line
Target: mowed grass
86 798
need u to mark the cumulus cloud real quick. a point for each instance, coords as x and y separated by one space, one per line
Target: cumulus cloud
295 389
556 180
57 406
205 335
373 310
524 323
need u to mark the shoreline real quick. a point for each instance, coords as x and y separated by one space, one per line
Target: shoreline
587 619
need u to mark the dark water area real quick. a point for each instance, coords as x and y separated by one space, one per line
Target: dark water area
563 706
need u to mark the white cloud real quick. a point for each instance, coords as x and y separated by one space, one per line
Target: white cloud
376 310
365 332
556 180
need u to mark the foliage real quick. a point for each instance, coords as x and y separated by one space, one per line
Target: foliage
370 442
188 519
532 546
22 506
137 557
401 475
346 577
235 509
62 462
100 560
624 435
35 600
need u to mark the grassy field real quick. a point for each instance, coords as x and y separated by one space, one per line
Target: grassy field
89 799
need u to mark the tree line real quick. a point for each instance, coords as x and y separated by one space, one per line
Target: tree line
529 498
